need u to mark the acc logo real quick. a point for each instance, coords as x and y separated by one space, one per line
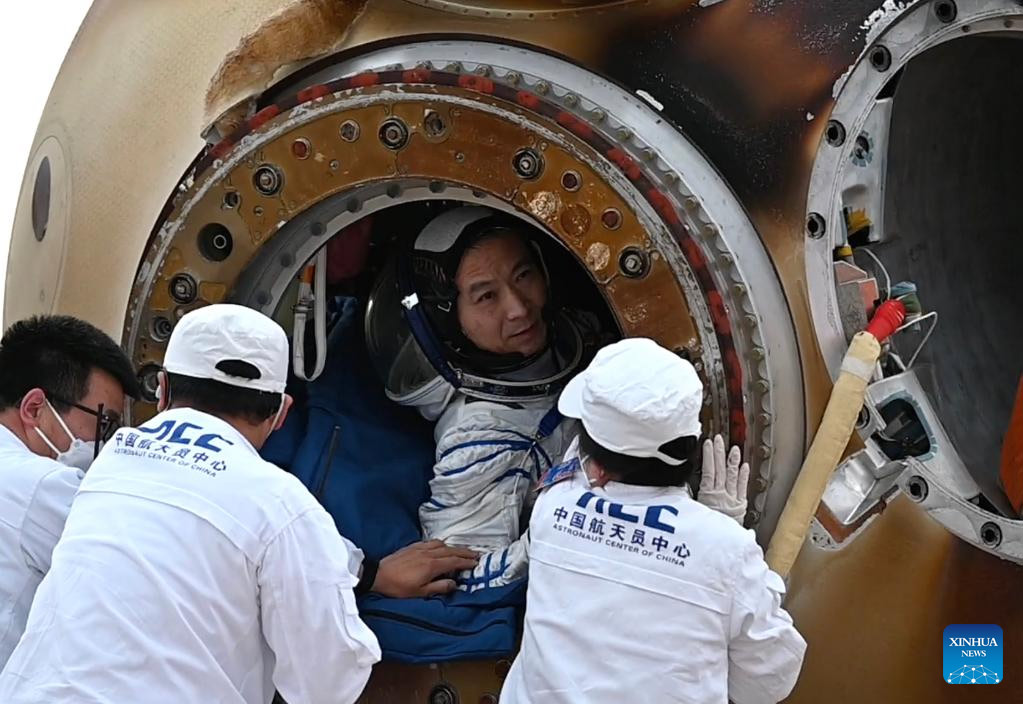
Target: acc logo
972 654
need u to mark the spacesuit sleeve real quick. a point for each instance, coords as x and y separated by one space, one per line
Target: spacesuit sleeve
470 459
485 466
765 651
46 514
323 650
481 475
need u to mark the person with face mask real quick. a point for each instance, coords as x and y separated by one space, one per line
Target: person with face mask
463 327
637 592
62 389
191 569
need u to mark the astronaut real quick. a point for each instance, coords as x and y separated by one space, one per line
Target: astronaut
463 328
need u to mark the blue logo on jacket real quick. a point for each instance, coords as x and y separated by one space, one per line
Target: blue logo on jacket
972 654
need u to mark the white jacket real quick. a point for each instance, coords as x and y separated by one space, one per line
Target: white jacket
487 462
642 594
191 570
35 495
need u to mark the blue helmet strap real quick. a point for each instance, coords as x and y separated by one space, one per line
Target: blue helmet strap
420 326
428 343
549 423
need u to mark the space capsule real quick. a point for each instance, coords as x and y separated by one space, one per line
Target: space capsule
741 180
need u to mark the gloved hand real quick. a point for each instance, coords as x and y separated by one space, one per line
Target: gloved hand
723 484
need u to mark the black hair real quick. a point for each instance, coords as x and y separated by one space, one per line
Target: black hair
434 272
57 353
222 400
646 471
496 228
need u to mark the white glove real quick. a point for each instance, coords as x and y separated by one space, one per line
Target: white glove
723 485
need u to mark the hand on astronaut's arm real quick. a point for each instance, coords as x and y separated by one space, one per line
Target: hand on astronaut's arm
418 569
723 484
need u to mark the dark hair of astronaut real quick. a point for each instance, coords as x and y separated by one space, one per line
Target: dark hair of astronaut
57 353
645 471
220 399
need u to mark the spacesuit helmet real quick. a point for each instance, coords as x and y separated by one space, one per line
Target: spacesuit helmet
413 329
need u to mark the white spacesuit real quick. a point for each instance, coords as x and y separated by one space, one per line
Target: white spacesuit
488 458
498 429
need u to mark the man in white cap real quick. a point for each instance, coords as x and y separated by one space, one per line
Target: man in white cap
636 591
191 570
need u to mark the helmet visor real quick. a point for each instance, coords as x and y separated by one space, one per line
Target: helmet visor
401 365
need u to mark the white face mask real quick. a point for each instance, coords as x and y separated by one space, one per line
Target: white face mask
79 453
277 417
583 461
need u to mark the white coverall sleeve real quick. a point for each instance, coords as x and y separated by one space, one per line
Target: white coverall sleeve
46 515
765 651
324 652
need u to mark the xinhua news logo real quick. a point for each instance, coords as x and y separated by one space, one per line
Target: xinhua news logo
972 654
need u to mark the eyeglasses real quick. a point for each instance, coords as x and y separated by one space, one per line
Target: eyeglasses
107 422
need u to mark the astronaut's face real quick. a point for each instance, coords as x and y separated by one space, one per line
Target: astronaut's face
501 295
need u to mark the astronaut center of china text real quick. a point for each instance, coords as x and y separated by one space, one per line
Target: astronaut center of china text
185 444
646 532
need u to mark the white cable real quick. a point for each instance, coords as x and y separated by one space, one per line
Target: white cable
316 296
298 333
320 311
887 278
934 315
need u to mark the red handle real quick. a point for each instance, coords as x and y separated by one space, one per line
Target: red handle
889 316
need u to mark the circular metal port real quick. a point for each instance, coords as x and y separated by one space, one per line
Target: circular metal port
528 164
634 263
301 148
815 225
393 133
835 133
611 218
917 487
183 288
434 125
880 58
945 10
991 534
215 242
443 694
149 381
160 329
861 153
267 180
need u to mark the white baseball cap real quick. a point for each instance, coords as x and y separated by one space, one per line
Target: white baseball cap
207 338
634 397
